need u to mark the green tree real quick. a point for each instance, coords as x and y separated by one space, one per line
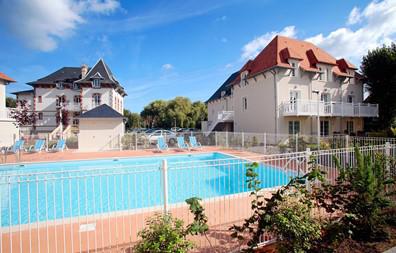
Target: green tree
199 113
178 111
378 69
154 113
11 102
133 120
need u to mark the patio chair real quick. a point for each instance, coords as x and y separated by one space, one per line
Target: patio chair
59 146
18 145
194 143
181 143
37 147
161 144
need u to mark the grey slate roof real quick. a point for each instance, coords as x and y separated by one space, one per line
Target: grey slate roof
224 87
102 111
65 74
22 91
73 74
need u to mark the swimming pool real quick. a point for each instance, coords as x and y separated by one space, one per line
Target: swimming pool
55 190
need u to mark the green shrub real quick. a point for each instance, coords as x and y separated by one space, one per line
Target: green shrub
292 223
163 234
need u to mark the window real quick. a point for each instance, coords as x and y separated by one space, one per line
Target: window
77 99
321 74
325 97
350 127
293 70
76 121
350 99
40 115
244 104
96 83
294 127
60 100
324 128
328 75
40 99
75 86
59 85
96 99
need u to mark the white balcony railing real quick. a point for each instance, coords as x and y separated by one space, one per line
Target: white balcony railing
225 116
311 107
5 113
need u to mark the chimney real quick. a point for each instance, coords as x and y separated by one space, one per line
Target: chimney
84 70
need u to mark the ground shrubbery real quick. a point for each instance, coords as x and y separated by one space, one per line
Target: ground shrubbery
311 215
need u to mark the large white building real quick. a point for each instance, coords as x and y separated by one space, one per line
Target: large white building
8 130
72 90
285 88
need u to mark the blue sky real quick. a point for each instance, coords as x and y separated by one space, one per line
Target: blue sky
161 49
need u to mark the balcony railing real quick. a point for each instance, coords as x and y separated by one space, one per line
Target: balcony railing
5 113
225 116
311 107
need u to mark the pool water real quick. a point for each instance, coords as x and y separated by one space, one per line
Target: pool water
55 190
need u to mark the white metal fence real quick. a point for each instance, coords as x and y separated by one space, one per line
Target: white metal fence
101 205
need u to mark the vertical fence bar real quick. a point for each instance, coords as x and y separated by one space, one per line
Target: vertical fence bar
165 184
243 140
265 142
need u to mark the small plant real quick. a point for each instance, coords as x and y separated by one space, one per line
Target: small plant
163 234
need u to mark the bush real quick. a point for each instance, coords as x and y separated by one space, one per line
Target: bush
292 223
163 234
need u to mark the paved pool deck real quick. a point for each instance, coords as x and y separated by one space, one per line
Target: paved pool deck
73 154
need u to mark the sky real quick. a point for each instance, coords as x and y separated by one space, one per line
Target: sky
160 49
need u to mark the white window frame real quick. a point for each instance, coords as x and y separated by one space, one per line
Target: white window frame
59 85
96 99
244 104
322 128
295 126
293 71
96 83
352 98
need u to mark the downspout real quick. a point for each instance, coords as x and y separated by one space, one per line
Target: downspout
273 72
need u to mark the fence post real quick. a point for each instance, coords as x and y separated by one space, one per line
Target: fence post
243 140
136 142
165 184
265 143
216 138
296 142
308 154
347 141
226 139
120 142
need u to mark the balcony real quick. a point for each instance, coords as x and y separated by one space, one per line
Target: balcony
225 116
330 109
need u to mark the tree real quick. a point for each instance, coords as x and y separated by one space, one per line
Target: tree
11 102
133 120
154 113
378 69
176 112
22 114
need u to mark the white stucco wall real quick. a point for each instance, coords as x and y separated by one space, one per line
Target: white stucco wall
99 134
8 132
2 94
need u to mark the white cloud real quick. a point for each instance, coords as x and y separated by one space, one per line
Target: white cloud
377 27
167 66
354 16
251 49
41 23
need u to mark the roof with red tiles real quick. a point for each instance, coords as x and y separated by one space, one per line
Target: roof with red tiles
278 52
6 78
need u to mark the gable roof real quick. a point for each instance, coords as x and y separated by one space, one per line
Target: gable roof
224 87
281 49
101 70
22 92
102 111
6 78
65 74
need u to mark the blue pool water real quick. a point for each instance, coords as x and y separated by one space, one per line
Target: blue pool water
47 191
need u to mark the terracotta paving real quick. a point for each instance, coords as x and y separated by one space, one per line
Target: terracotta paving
76 155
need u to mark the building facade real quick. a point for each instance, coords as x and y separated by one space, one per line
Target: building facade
9 132
284 90
68 92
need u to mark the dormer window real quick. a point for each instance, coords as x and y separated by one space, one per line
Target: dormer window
59 85
293 70
244 77
96 83
320 74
